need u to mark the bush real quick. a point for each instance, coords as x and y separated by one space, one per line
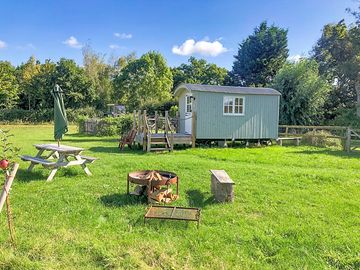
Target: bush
44 115
347 117
109 126
320 138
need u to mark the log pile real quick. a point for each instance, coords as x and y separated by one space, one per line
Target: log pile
155 193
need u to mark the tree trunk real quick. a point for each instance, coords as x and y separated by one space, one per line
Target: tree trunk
357 88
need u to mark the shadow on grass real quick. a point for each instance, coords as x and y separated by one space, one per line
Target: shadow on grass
332 152
115 150
196 198
119 200
41 174
24 176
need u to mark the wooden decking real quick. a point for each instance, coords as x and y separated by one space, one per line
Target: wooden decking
160 141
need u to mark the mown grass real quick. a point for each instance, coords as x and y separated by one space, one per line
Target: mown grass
295 208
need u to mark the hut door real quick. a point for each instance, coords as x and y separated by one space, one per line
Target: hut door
188 113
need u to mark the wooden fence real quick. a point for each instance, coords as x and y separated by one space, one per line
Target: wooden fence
349 136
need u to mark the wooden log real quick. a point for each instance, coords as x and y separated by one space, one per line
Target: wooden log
348 140
8 182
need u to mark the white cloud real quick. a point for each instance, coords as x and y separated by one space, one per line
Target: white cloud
295 58
202 47
29 46
114 46
2 44
73 43
123 35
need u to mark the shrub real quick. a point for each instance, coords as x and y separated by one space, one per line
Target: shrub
320 138
109 126
347 117
44 115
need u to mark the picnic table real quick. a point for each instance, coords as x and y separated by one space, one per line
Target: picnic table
54 157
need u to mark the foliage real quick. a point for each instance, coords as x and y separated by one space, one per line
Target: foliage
109 126
303 93
152 107
43 115
8 86
320 138
260 56
335 52
25 74
199 71
7 149
100 76
294 208
346 117
144 80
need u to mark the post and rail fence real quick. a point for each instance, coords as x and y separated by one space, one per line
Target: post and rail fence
350 137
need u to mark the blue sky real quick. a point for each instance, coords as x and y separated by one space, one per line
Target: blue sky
206 29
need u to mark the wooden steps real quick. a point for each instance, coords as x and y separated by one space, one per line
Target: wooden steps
158 141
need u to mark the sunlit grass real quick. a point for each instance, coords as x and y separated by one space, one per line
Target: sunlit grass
295 208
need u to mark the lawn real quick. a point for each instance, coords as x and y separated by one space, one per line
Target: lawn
295 208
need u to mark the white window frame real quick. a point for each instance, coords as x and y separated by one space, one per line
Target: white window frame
187 103
232 98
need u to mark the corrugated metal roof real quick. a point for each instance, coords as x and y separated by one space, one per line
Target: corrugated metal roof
228 89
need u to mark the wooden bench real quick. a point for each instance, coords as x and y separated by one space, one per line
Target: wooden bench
222 186
174 213
279 141
38 160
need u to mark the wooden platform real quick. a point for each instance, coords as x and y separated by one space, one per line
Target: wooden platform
179 138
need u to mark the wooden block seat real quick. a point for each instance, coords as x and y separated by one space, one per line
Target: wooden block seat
38 160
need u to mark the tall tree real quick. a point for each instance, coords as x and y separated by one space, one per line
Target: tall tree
199 71
72 79
100 75
8 86
334 52
145 80
303 93
260 56
26 73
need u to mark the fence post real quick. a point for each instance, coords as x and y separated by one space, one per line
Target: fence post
156 122
145 131
166 122
134 123
348 140
177 115
286 131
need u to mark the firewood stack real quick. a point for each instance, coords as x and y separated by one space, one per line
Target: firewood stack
155 193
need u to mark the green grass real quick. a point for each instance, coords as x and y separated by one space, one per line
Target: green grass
295 208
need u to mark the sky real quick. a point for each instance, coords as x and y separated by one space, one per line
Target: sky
178 29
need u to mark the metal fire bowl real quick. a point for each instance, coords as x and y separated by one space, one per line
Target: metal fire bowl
140 178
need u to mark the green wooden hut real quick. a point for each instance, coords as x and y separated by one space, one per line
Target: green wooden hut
227 112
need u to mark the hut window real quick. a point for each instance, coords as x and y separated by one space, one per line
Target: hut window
188 104
233 105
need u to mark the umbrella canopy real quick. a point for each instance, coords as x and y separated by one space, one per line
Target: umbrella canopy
60 120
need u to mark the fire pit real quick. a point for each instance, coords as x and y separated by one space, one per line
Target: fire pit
153 182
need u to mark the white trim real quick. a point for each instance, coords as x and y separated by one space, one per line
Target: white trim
233 106
187 104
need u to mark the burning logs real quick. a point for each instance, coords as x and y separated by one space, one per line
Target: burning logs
152 183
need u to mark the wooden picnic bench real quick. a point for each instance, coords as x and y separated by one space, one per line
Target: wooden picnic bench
173 213
296 139
57 157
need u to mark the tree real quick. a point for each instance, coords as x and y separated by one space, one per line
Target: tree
8 86
72 79
303 93
25 73
145 80
100 75
260 56
199 71
334 52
